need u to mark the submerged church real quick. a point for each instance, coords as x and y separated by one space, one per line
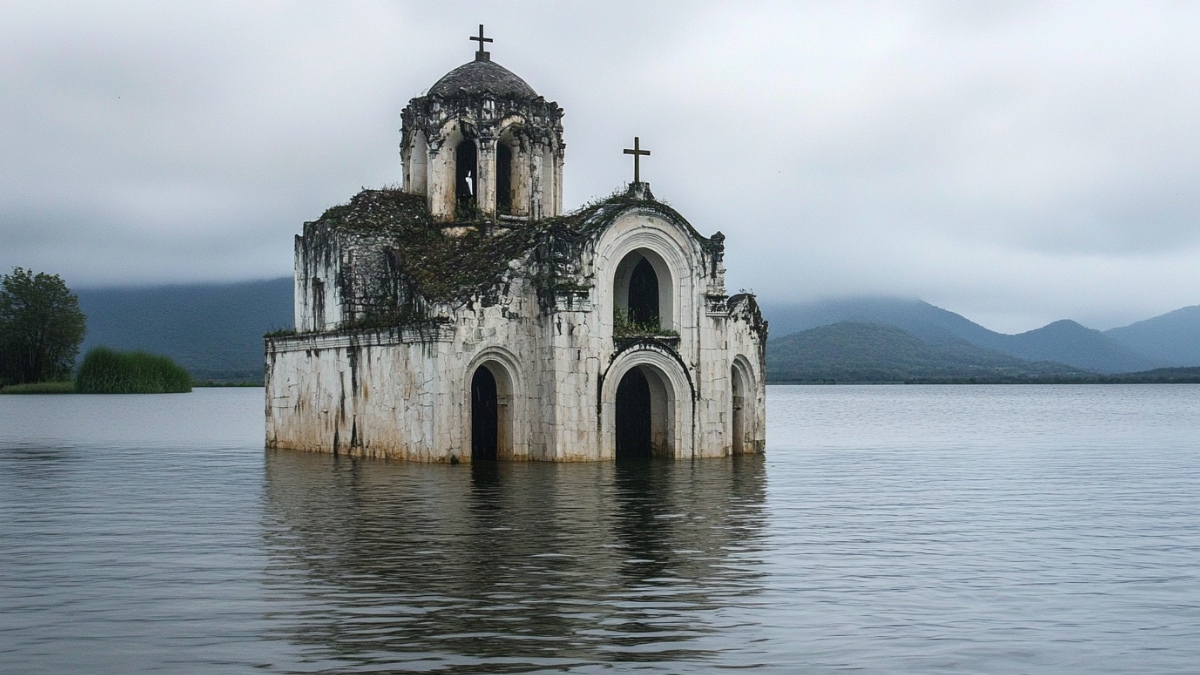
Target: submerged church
464 317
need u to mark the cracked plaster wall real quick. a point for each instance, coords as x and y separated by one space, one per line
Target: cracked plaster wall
404 393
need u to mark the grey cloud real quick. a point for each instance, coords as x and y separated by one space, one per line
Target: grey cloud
1023 161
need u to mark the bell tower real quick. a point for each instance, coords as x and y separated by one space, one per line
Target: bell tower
481 143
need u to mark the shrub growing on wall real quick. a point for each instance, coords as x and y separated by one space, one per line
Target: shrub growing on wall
105 371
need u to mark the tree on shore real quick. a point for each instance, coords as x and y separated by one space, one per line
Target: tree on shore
41 327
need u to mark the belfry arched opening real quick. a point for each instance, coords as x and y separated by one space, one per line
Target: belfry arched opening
466 180
643 415
504 183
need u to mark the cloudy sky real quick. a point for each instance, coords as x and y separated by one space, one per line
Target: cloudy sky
1016 162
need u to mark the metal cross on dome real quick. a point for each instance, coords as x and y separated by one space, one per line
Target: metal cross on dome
479 52
637 153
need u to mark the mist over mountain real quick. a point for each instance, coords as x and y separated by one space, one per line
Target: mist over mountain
213 330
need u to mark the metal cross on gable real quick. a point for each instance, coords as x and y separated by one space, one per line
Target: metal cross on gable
637 153
479 52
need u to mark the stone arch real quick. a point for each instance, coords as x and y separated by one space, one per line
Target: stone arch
502 369
632 238
442 187
416 168
512 193
743 407
671 402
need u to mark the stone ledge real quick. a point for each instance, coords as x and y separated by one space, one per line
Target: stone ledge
380 337
669 341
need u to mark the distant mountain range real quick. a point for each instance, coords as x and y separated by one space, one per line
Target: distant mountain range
853 352
1170 340
850 351
1173 338
215 331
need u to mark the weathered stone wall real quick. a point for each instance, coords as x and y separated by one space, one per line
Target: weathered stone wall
557 360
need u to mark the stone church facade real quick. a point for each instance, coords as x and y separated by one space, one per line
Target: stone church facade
465 317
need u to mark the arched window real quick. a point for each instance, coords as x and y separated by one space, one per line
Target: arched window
643 295
466 175
504 182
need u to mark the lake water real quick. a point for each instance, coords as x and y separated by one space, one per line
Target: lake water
904 529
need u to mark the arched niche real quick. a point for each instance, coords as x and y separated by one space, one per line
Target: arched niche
493 407
663 408
743 404
644 292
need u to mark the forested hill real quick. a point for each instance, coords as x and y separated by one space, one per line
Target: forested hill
849 352
1171 340
213 330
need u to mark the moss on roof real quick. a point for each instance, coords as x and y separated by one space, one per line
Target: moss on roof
439 267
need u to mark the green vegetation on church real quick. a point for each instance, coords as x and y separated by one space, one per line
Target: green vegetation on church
106 371
474 258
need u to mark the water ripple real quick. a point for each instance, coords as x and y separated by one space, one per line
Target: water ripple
889 529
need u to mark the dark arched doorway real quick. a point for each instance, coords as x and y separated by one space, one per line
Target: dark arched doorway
634 426
466 180
504 200
485 416
643 296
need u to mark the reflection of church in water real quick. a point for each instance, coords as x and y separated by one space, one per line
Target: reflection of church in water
464 316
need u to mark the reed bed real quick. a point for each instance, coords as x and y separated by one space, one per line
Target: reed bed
107 371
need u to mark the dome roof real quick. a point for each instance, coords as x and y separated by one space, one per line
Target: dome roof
480 77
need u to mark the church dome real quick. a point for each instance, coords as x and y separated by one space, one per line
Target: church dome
482 77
